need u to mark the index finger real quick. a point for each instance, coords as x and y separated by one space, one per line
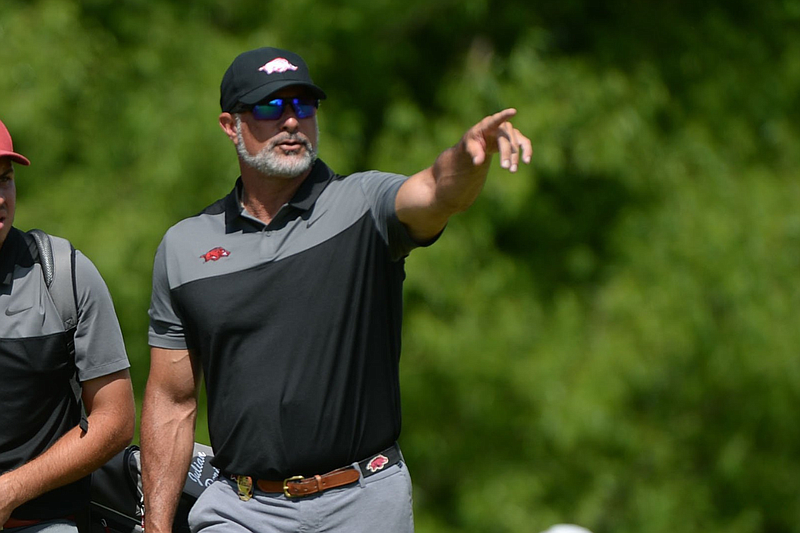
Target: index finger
494 121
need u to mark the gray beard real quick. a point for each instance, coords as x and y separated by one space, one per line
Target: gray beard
270 163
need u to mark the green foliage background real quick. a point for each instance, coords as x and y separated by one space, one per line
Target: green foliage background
606 338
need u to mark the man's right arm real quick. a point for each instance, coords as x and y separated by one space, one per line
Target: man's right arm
169 412
429 198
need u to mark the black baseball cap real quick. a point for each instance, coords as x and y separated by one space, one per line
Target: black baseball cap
256 74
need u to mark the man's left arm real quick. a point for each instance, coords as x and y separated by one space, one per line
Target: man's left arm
427 200
111 413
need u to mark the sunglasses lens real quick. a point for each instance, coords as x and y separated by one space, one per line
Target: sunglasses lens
273 109
269 111
304 108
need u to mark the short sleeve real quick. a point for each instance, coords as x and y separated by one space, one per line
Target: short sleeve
99 345
166 328
380 189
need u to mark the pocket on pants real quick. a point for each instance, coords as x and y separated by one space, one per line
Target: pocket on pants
203 508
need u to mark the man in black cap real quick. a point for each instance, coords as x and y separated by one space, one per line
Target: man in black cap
286 295
47 450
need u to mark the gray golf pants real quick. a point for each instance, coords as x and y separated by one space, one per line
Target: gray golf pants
378 503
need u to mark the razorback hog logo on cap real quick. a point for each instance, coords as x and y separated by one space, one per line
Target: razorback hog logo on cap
377 463
215 254
279 64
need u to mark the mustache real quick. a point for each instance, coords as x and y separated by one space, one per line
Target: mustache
291 137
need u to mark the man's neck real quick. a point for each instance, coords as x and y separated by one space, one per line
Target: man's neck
263 196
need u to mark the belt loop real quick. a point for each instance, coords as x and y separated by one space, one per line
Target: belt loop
361 482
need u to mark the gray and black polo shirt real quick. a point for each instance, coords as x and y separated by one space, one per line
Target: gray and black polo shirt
296 323
37 405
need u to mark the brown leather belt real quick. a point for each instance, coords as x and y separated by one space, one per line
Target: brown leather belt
300 486
19 522
297 486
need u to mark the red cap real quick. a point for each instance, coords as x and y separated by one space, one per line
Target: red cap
7 147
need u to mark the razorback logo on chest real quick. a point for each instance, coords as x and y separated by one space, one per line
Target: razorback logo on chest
215 254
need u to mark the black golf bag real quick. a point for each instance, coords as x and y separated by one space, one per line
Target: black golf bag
117 503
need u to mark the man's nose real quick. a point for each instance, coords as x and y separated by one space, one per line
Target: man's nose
289 120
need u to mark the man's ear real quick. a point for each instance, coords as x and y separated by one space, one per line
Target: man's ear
228 124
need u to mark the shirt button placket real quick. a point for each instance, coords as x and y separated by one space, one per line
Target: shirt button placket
267 244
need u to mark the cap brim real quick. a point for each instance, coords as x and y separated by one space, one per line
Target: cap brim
259 94
17 158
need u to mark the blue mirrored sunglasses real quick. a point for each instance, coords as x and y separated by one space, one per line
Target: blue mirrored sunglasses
273 109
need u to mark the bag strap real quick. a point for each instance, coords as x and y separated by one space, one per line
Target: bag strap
57 259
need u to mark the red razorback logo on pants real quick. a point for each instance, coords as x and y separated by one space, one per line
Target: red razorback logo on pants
377 463
215 254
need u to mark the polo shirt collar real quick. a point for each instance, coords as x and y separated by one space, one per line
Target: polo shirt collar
319 178
305 197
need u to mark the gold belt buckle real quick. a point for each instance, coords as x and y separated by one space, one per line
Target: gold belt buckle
286 484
